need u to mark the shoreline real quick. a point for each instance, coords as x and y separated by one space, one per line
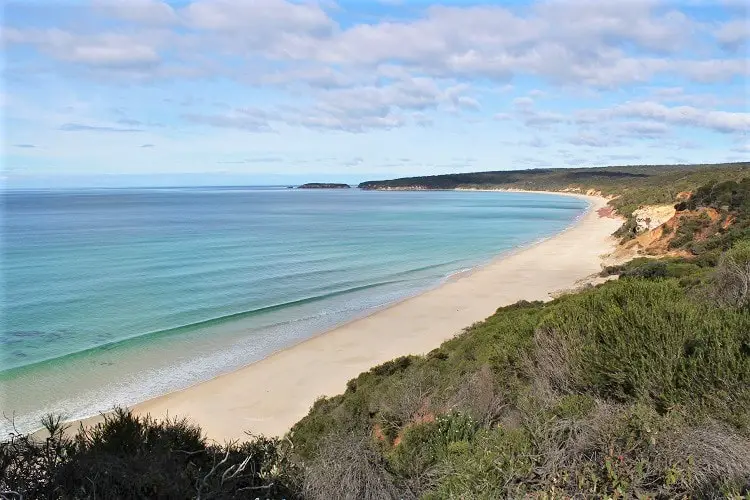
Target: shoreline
270 395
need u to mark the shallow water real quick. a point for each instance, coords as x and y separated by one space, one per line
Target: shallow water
114 296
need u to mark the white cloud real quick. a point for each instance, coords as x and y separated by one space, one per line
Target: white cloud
618 157
523 103
524 109
720 121
148 12
712 70
734 34
557 42
253 120
599 44
542 119
307 64
355 109
678 94
256 16
111 54
594 140
348 123
644 128
384 106
641 22
457 100
78 127
97 50
354 162
537 142
314 76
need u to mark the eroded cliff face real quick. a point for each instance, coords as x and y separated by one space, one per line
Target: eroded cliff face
649 218
659 226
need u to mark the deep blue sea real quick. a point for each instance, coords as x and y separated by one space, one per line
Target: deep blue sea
114 296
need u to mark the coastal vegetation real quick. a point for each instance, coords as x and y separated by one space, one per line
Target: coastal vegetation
638 387
637 184
127 456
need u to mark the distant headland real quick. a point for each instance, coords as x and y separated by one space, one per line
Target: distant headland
323 185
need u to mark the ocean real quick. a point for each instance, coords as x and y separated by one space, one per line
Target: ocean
114 296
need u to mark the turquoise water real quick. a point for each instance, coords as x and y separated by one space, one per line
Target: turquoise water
114 296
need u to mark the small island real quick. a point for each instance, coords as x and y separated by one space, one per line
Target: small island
323 185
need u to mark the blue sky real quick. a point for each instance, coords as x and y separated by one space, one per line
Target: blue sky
274 91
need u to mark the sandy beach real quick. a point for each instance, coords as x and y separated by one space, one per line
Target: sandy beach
269 396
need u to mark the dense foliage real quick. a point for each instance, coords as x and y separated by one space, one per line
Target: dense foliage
128 456
639 387
633 388
715 217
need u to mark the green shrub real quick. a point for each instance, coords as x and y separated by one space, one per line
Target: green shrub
686 230
732 277
638 339
423 446
574 406
128 456
629 451
642 267
452 427
495 465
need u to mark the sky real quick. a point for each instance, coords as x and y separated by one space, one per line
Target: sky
217 92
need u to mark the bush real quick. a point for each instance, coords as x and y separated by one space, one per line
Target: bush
629 451
732 277
128 456
686 230
636 339
347 467
669 267
495 465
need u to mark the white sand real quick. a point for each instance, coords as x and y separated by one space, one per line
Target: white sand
269 396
